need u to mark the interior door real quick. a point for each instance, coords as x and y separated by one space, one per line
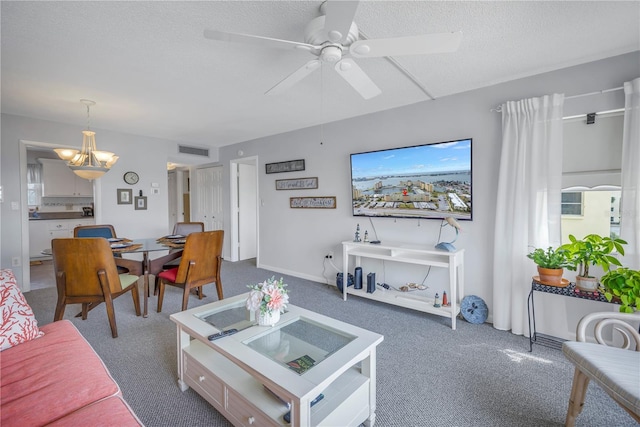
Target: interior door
247 211
208 203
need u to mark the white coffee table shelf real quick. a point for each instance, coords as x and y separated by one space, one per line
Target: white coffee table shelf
411 254
232 376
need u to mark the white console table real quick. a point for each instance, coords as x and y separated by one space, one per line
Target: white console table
412 254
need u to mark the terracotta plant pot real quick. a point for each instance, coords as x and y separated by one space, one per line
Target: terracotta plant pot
587 284
550 276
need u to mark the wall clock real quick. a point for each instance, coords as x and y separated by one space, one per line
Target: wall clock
131 178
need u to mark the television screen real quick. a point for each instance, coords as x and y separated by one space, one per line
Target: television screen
423 181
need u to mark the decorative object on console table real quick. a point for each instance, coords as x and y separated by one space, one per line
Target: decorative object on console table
591 250
551 263
371 283
288 166
268 299
448 246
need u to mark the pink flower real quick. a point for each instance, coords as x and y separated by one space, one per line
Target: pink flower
277 300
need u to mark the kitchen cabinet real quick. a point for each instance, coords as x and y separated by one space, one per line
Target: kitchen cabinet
42 231
59 180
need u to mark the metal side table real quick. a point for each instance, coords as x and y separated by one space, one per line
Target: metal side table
568 291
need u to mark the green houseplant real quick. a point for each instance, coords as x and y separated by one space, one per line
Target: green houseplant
551 263
591 250
622 283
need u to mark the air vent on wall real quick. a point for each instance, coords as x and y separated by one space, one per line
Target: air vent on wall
196 151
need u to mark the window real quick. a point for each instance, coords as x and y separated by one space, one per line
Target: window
571 203
34 184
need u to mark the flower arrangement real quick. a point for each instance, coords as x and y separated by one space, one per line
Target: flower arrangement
268 296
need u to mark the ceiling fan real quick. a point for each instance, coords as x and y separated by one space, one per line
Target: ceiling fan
333 38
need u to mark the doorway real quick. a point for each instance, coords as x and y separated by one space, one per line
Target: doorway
244 209
45 148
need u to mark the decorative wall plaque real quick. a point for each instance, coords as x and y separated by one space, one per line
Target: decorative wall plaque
296 184
328 202
288 166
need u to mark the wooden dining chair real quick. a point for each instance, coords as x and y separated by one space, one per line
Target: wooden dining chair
86 274
186 228
200 265
108 231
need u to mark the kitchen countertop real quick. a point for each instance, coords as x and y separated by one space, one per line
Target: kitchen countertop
58 216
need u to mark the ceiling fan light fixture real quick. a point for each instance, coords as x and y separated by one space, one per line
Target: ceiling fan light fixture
331 53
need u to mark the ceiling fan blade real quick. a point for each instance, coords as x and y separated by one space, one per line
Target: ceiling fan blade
260 41
294 77
338 19
353 74
411 45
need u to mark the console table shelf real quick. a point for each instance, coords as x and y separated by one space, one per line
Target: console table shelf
411 254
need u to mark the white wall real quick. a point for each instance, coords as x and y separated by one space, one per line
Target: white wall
294 241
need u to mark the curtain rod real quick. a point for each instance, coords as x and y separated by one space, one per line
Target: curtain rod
498 109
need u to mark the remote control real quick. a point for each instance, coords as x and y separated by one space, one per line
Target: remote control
222 334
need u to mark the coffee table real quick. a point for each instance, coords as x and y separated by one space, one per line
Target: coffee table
247 377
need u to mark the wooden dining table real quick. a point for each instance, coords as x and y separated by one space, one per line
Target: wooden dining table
148 266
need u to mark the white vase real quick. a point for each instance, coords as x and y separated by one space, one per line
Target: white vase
269 318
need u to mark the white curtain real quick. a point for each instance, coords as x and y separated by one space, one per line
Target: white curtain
630 197
528 204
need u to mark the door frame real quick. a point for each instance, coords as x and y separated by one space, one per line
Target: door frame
24 208
233 208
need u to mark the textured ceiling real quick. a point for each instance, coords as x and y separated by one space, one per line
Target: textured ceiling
151 71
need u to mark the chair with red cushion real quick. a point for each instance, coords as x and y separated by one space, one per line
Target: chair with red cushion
200 265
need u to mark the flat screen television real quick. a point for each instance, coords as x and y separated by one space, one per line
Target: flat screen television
431 181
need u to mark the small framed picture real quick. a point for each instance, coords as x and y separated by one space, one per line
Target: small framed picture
141 203
125 196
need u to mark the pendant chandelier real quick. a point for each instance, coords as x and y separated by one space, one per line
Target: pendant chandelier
88 163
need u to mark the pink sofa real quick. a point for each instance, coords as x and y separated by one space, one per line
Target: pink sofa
58 379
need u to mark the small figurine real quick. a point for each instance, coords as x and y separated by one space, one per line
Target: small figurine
445 302
436 301
366 236
357 236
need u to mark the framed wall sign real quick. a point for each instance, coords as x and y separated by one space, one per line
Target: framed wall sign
125 196
288 166
324 202
296 184
141 203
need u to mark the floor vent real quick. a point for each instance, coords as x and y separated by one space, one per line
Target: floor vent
196 151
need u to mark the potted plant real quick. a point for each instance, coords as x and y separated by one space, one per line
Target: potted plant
623 284
591 250
551 263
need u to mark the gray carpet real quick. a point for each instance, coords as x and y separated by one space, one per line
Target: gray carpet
428 375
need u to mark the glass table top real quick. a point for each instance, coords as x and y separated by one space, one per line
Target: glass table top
299 345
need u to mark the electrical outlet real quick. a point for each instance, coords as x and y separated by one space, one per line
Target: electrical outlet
329 255
15 261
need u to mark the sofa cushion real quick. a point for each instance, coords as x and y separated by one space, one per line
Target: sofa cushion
17 322
112 411
53 376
